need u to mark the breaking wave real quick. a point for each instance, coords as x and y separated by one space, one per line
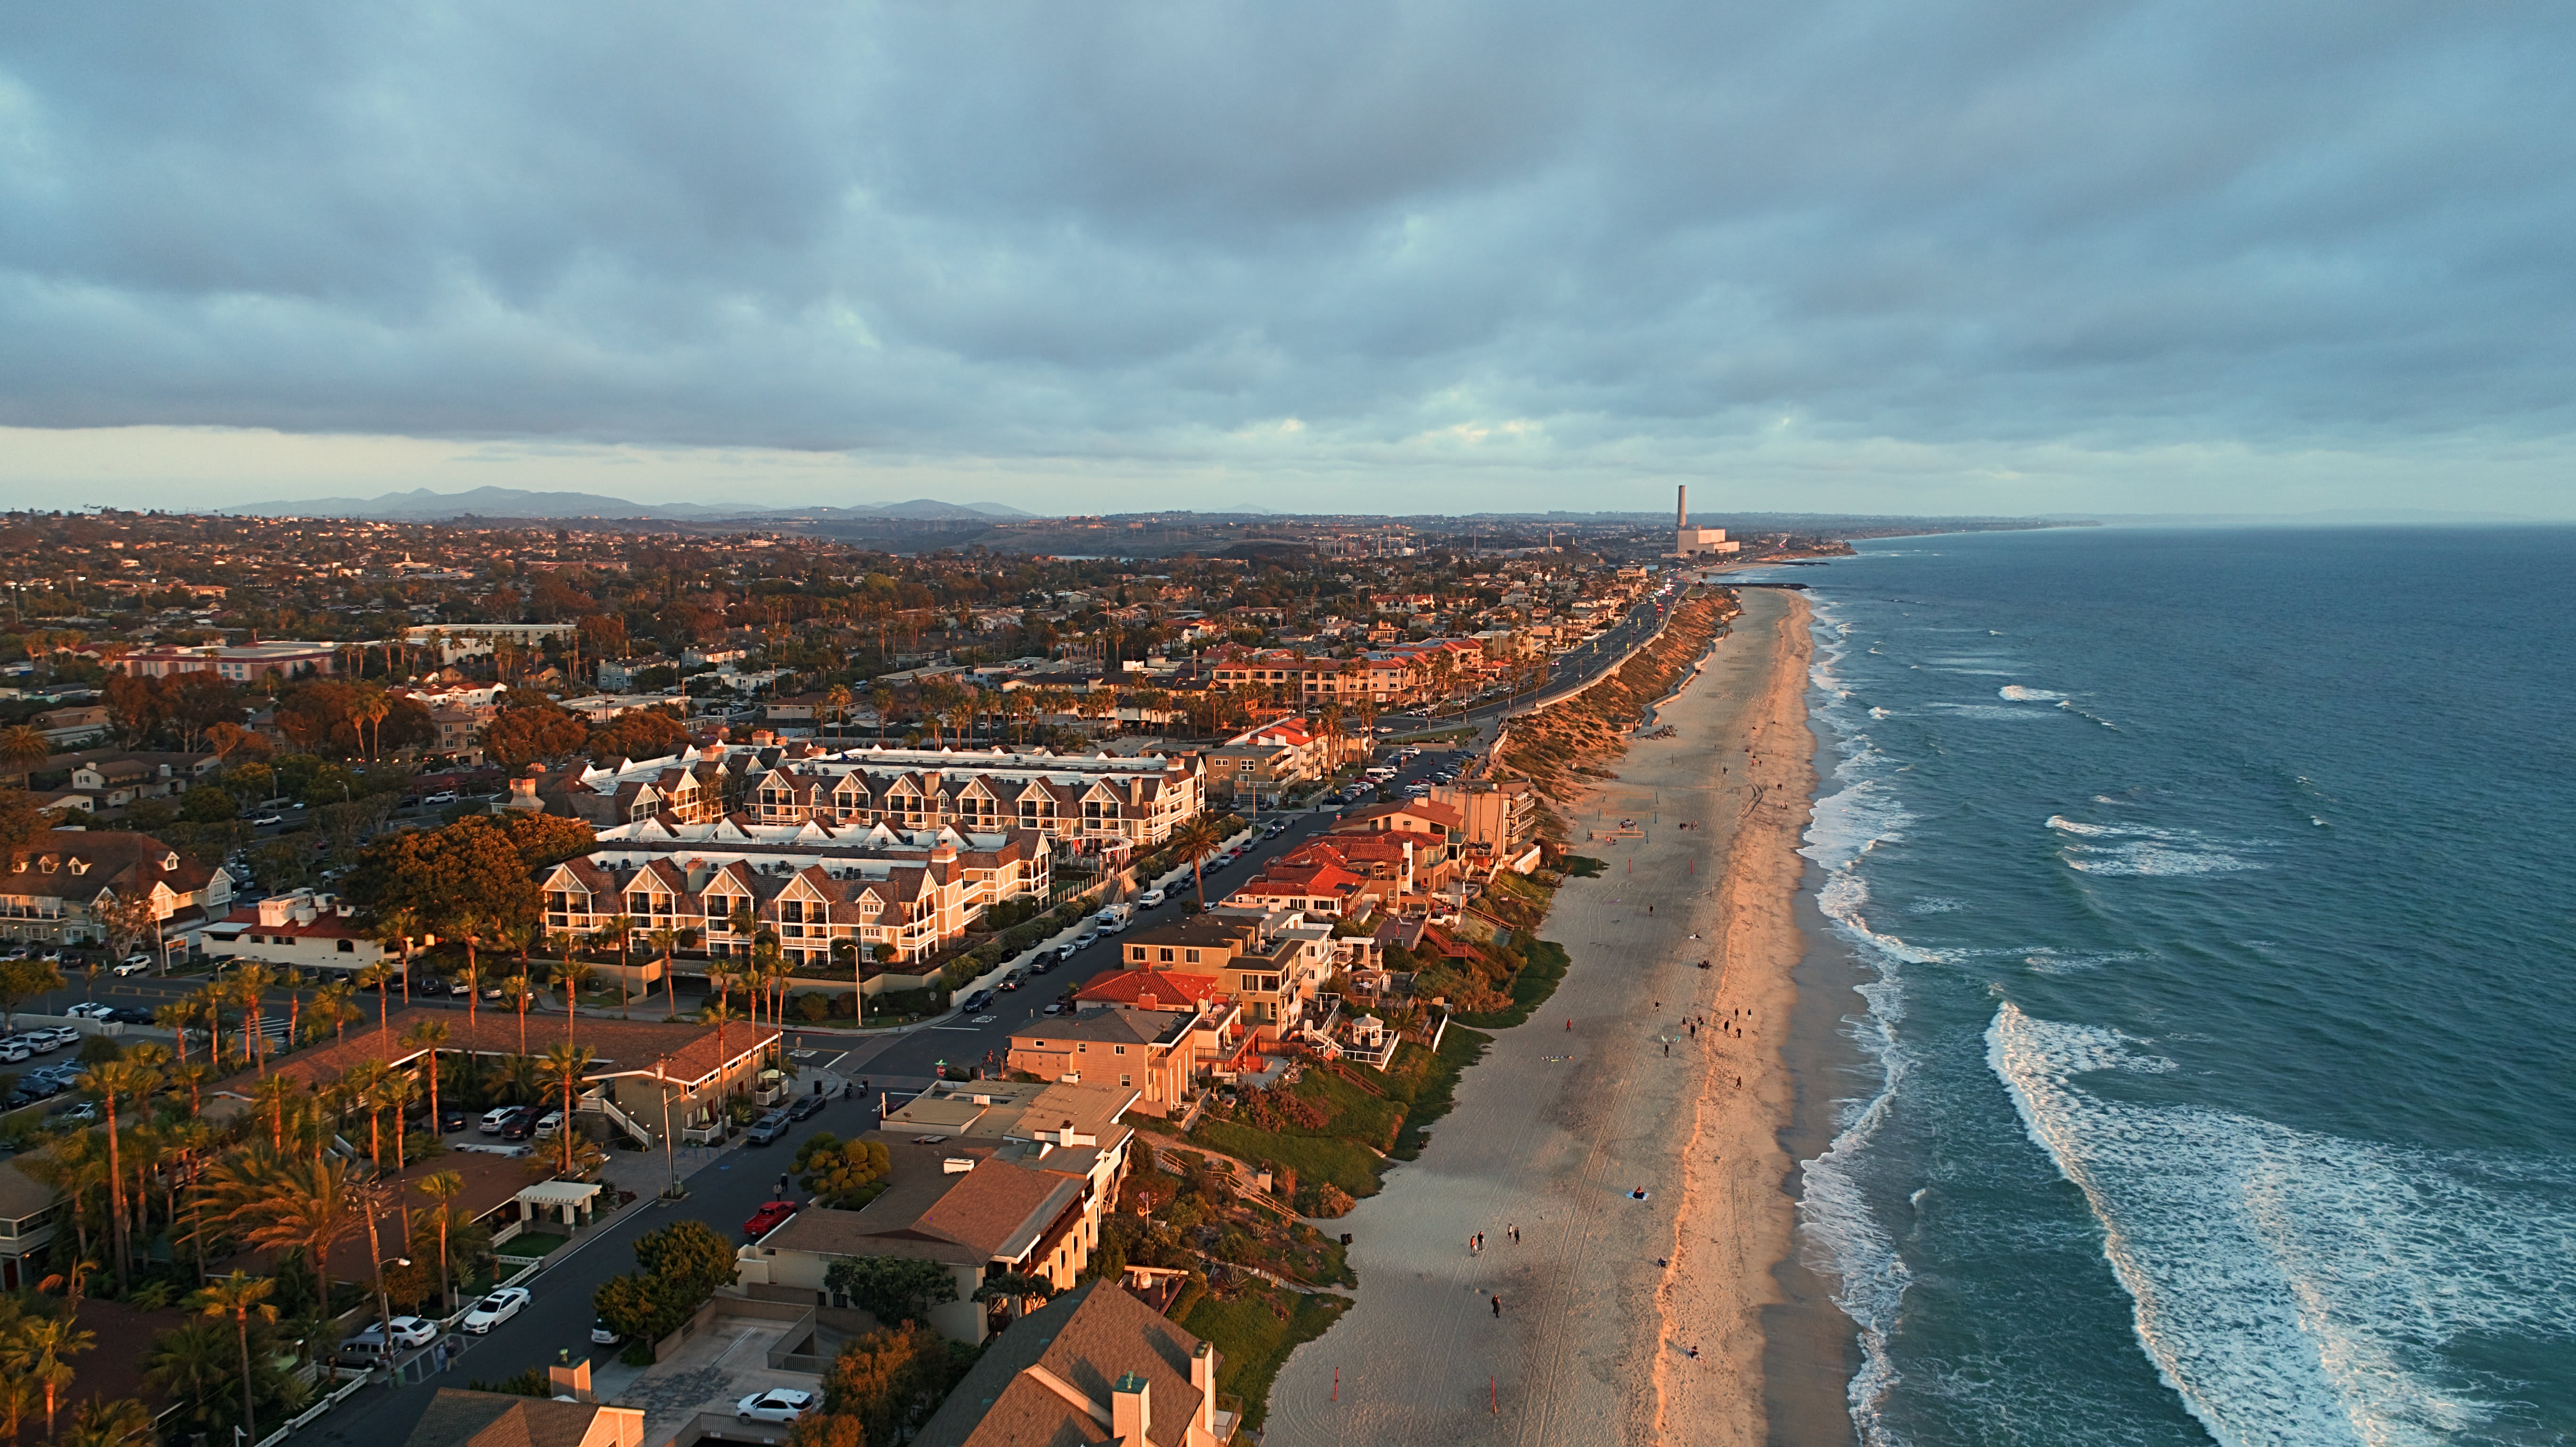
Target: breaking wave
2294 1287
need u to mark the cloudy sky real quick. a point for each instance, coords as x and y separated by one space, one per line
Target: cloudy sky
1881 255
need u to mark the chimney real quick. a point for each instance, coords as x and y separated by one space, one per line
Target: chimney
1203 1380
1131 1411
1681 507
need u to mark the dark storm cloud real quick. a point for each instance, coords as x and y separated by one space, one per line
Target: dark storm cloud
1079 229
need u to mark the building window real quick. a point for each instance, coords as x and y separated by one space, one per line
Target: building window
1121 1049
348 947
1124 1082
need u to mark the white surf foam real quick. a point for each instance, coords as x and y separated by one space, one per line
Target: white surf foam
2020 694
1988 711
2130 850
2293 1287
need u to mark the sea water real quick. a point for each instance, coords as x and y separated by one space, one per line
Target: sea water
2215 898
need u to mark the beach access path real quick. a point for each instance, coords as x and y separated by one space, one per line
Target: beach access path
1606 1295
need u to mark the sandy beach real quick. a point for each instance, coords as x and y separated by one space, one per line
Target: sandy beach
1622 1319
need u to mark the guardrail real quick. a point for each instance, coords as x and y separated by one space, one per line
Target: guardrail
348 1388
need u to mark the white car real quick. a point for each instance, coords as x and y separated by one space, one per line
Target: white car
495 1309
494 1118
89 1010
1151 899
414 1331
780 1404
548 1124
135 965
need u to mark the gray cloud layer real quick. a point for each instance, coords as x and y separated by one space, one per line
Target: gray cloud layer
1641 232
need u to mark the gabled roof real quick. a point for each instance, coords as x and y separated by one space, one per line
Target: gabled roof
1086 1340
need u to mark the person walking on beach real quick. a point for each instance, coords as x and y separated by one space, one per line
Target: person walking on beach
1498 1308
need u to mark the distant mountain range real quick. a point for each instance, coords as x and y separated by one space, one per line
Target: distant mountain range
424 505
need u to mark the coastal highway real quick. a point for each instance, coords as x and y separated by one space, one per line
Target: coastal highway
1567 670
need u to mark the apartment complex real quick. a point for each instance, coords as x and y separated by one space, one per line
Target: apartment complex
897 895
1082 801
235 663
59 886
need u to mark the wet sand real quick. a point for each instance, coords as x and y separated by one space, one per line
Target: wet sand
1608 1092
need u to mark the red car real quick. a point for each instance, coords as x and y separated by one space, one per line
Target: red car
768 1218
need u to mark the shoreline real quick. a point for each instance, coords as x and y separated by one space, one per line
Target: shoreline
1607 1092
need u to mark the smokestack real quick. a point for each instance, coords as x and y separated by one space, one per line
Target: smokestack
1681 507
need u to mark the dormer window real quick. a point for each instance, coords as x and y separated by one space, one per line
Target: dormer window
170 861
80 866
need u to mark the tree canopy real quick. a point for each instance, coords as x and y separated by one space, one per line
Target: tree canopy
893 1288
841 1175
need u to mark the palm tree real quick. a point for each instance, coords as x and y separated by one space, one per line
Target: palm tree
836 698
572 975
881 698
269 1098
190 1364
398 926
519 1078
719 1014
520 992
291 980
113 1079
307 1205
1195 839
242 1297
23 747
362 1087
18 1395
623 928
248 983
563 1069
335 1002
101 1423
443 1187
396 1093
666 941
380 978
47 1342
429 1035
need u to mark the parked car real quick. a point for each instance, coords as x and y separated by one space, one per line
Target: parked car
444 796
806 1107
768 1218
61 1035
778 1404
458 989
134 964
548 1124
1151 899
14 1049
90 1010
519 1124
602 1334
767 1129
1055 1007
495 1309
1086 941
82 1113
497 1117
129 1014
451 1119
408 1331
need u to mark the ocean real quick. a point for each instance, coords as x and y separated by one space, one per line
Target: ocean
2211 896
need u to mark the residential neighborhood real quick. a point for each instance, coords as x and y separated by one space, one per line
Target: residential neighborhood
407 922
